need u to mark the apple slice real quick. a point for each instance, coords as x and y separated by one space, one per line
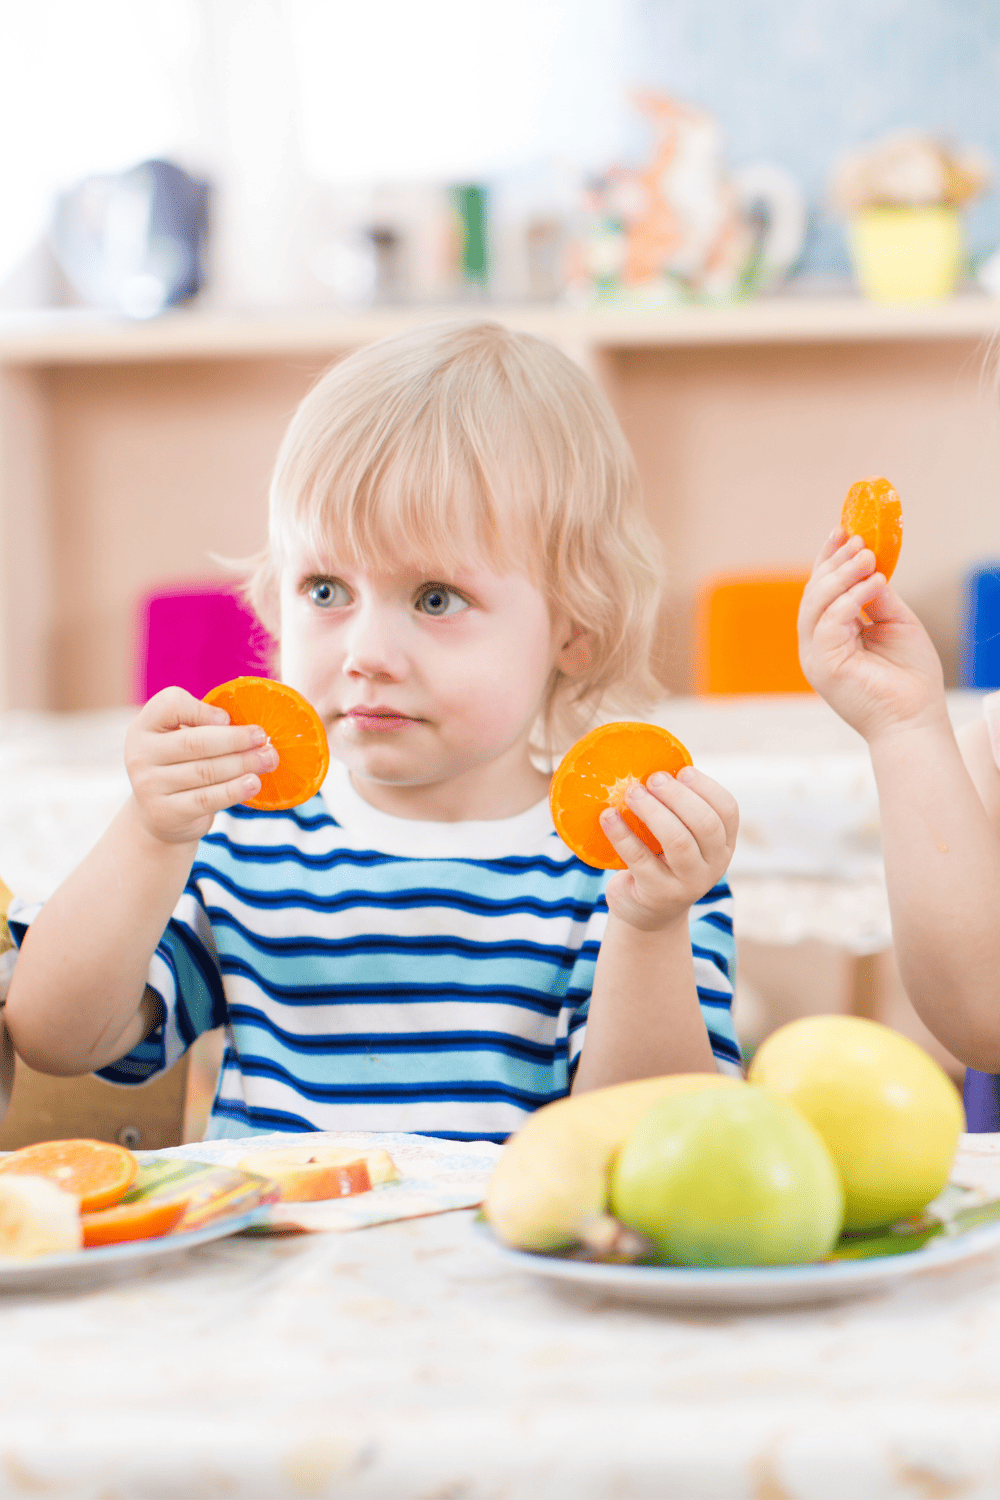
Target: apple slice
307 1174
37 1218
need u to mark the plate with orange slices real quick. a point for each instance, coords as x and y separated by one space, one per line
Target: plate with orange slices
74 1206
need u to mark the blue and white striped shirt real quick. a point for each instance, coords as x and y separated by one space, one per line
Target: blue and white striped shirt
376 973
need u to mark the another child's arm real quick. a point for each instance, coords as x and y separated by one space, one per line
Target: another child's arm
880 672
644 1018
78 998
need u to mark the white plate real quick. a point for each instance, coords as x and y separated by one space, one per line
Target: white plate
754 1286
48 1272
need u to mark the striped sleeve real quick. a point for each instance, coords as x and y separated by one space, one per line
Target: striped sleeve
714 949
185 974
582 982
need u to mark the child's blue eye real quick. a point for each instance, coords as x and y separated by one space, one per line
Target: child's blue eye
327 592
438 601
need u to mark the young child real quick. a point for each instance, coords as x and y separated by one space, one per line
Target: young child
457 562
939 796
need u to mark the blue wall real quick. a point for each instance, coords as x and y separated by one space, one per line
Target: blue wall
798 81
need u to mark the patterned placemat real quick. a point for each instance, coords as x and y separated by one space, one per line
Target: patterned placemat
436 1176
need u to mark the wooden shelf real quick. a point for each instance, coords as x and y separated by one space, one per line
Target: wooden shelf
71 338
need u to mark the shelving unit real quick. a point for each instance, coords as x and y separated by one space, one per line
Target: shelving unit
132 453
65 338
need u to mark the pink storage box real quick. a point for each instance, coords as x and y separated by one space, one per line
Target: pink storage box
197 636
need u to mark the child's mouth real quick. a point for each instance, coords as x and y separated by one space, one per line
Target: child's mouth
377 718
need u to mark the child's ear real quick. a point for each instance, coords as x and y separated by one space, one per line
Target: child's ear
576 652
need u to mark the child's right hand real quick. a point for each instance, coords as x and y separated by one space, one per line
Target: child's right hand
880 673
186 762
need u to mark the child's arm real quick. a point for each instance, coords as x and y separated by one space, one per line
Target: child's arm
78 998
644 1018
942 854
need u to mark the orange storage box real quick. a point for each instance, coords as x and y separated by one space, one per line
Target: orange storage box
747 637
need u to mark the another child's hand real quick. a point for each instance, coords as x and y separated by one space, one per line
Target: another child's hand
880 673
695 821
186 762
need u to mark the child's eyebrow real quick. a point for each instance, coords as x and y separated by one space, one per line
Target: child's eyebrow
307 580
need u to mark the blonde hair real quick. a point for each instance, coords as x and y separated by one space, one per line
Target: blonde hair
469 437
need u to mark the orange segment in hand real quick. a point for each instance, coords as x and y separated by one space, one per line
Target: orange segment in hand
596 773
873 512
293 727
94 1171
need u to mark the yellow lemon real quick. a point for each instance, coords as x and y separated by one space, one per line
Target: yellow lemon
889 1115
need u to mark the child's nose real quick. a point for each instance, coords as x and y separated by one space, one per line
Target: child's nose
372 650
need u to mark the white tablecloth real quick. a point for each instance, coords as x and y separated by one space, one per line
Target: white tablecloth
410 1362
807 864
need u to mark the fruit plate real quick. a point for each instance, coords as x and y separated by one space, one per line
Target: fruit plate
753 1286
53 1272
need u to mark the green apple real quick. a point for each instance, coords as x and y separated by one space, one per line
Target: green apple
730 1178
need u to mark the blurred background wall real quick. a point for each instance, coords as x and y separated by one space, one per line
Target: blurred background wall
299 109
800 81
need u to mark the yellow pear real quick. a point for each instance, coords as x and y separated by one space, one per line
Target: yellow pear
551 1182
889 1115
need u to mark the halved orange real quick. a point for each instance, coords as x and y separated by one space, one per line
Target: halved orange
597 772
145 1220
96 1172
873 512
292 726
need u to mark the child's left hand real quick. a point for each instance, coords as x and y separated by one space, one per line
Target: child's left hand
695 820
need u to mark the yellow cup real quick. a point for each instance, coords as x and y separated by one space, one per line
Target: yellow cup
908 254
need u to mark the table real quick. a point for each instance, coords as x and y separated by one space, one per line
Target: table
410 1362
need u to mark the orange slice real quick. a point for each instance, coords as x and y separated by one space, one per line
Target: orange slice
597 773
94 1171
131 1221
293 727
873 512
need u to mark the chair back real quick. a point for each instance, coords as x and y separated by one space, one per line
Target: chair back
979 648
747 634
147 1117
197 636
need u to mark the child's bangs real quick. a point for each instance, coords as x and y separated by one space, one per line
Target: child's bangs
430 496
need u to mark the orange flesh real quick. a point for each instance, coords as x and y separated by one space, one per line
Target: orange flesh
96 1172
597 773
292 726
131 1221
872 511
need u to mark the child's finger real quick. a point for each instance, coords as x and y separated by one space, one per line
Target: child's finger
822 592
628 845
888 608
189 775
701 805
208 800
838 536
206 742
719 799
846 609
174 708
687 828
839 550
